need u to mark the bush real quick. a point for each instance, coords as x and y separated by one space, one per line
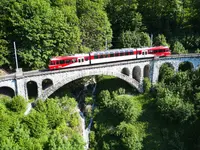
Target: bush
134 39
178 48
18 104
146 85
197 50
160 40
37 123
174 108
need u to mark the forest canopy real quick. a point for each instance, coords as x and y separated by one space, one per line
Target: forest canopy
46 28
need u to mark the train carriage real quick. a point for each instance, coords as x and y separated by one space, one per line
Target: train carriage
108 56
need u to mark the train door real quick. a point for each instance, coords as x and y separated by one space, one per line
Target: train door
144 53
81 60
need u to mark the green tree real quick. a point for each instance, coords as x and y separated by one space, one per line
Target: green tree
56 141
4 52
134 39
131 136
197 50
40 31
104 98
37 123
146 85
174 108
18 104
165 73
94 24
126 108
178 48
124 17
160 40
54 114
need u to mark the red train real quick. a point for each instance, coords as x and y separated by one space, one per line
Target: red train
108 56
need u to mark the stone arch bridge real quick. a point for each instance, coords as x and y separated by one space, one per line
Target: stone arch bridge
132 71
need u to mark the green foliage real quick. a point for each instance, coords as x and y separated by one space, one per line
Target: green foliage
124 17
121 91
40 30
197 50
178 48
174 108
38 130
134 39
131 135
88 100
3 51
185 66
53 113
56 141
160 40
18 104
37 123
94 24
146 85
126 108
165 73
122 112
104 98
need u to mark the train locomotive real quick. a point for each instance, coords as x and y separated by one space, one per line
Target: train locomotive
107 56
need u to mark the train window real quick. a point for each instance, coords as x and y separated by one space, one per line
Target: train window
57 62
121 53
95 56
86 58
62 62
126 52
116 54
101 55
52 63
68 61
131 52
106 55
111 54
143 53
73 60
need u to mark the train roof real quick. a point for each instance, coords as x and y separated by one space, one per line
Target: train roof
108 51
69 56
123 49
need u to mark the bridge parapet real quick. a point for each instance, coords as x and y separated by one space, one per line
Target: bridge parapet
18 81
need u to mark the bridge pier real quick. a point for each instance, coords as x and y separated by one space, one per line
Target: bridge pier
20 85
39 89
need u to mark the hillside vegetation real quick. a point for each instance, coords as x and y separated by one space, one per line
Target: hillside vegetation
53 124
46 28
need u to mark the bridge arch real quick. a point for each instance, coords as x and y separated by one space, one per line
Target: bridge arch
8 91
136 74
126 71
46 83
185 65
146 71
46 93
32 89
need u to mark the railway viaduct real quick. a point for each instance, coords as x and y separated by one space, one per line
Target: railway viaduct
132 71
